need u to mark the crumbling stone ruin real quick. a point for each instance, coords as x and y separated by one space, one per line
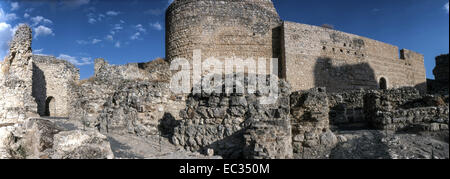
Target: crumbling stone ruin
441 73
16 101
338 96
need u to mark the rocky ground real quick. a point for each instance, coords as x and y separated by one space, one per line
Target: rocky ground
130 146
375 144
353 144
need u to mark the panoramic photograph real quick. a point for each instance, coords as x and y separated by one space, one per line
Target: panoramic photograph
224 79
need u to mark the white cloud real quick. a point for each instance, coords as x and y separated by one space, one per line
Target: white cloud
5 17
14 6
112 13
42 31
117 28
29 10
39 19
156 26
140 28
26 15
82 42
117 45
94 18
109 38
74 60
96 41
75 3
38 51
6 34
446 7
92 21
135 36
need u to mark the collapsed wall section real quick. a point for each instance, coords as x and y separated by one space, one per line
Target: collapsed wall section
16 100
316 56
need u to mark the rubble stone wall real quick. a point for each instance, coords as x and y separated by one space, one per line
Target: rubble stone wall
16 100
403 109
347 109
220 121
310 123
52 79
132 98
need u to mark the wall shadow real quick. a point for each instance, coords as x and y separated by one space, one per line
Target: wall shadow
348 114
39 89
167 125
345 77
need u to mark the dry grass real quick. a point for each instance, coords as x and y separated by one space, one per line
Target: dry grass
81 82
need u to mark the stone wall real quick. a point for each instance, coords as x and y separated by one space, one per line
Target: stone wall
16 100
139 107
131 98
347 109
156 70
220 122
310 124
52 79
321 57
441 74
406 109
222 29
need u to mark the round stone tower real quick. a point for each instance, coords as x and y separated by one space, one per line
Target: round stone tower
222 29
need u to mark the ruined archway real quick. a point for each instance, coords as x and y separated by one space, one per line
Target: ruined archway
383 84
50 106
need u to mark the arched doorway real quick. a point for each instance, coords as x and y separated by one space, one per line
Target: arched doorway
383 84
50 106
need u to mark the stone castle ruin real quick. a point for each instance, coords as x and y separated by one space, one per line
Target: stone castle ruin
340 95
308 56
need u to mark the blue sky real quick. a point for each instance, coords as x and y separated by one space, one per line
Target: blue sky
126 31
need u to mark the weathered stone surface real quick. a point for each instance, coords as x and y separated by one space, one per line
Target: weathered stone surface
52 85
141 108
127 98
320 57
270 139
222 29
403 109
6 138
441 75
16 101
81 145
42 139
310 123
219 122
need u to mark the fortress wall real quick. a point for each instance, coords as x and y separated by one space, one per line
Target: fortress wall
52 78
316 56
222 29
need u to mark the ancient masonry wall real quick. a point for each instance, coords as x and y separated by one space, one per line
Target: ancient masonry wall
52 79
132 98
16 102
441 74
132 71
222 29
315 56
